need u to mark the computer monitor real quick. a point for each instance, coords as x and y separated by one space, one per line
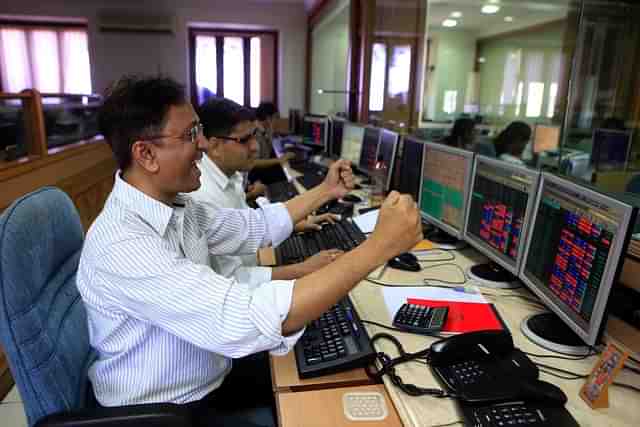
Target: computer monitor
387 150
444 191
315 131
411 166
610 149
295 121
369 152
352 136
546 138
499 206
572 259
335 141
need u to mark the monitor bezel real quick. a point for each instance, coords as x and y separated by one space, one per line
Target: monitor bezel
469 155
331 145
394 152
595 162
535 134
368 128
611 270
355 125
322 120
480 245
416 140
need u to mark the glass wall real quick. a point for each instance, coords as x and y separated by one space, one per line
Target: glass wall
330 61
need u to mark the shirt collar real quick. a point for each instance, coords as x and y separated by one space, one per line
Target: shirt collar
216 174
154 212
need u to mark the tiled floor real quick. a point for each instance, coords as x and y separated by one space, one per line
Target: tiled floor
11 412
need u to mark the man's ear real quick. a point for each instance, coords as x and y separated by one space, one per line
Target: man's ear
144 155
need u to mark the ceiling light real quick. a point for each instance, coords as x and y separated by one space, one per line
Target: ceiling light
456 14
449 23
508 19
490 9
494 1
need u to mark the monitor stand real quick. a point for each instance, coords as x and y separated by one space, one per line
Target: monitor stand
492 275
550 332
444 240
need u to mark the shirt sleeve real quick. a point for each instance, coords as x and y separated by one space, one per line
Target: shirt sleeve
253 276
190 300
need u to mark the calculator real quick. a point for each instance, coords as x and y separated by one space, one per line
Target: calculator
420 319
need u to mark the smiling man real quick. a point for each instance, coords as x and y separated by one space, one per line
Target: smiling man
164 324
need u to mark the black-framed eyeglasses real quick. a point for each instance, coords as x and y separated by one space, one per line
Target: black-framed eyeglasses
240 140
190 135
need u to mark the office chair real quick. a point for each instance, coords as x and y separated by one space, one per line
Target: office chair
43 325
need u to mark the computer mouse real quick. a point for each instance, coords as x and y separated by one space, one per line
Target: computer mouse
351 198
406 261
542 392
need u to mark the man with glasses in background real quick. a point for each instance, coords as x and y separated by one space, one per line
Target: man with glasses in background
164 324
231 132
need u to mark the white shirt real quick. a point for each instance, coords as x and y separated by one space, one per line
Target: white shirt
164 324
511 159
217 191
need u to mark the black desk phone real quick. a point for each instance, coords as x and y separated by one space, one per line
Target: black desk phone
494 382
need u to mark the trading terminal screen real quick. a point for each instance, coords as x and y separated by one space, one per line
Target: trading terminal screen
497 210
313 131
352 143
410 165
369 153
572 237
336 138
546 138
387 152
443 185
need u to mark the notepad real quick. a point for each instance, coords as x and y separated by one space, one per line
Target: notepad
367 222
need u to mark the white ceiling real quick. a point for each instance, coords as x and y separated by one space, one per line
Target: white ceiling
524 14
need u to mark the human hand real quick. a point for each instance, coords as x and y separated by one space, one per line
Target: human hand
312 223
321 259
287 156
339 181
399 227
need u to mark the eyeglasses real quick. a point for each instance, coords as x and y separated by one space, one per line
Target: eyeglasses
240 140
190 135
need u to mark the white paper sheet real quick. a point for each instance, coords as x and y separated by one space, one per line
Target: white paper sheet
367 222
394 297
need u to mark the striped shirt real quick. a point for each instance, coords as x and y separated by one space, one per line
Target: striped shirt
217 191
164 324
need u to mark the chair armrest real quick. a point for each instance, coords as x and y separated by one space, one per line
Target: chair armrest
153 415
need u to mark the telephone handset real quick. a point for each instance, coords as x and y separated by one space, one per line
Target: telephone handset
484 367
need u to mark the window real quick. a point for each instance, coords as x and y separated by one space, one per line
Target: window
51 59
378 72
238 65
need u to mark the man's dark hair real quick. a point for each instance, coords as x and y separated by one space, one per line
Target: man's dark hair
266 110
135 108
220 115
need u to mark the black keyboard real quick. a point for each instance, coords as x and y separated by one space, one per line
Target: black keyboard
517 414
336 342
343 235
281 191
335 207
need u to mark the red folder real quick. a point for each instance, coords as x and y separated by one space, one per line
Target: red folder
465 316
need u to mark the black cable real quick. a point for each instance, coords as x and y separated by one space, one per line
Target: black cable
392 328
449 424
553 374
549 356
628 386
632 369
388 368
564 371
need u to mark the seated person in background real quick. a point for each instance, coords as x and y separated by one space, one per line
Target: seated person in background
512 141
267 167
461 135
165 325
230 130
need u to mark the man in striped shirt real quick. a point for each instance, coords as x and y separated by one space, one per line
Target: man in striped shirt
164 324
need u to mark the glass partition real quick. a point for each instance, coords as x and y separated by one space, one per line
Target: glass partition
69 118
13 135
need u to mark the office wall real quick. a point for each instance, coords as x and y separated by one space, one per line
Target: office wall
454 53
114 54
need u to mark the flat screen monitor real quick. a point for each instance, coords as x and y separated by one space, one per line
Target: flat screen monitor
369 153
500 203
574 253
546 138
352 136
387 150
315 131
295 121
335 141
610 149
411 166
444 186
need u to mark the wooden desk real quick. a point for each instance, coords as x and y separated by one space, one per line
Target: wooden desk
324 408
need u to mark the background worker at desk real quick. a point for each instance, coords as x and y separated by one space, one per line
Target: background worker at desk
232 148
164 324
